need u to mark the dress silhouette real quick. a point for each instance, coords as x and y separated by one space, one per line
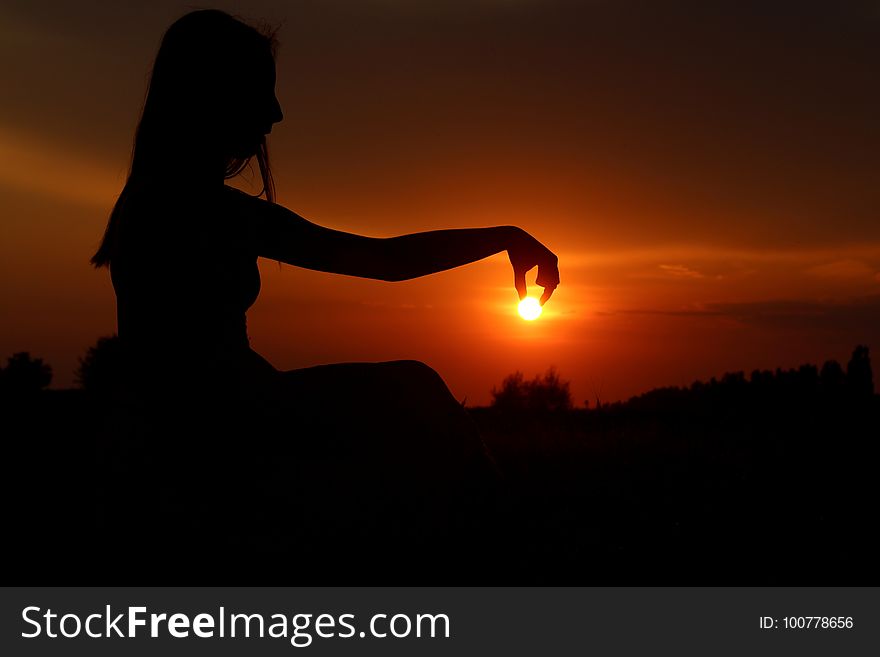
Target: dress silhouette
182 248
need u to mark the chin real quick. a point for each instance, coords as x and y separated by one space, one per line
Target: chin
243 153
246 148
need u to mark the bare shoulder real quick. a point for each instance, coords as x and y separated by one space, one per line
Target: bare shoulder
244 201
264 213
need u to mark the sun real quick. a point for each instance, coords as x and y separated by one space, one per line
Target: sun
530 309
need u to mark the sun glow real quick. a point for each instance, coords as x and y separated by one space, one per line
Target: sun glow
530 309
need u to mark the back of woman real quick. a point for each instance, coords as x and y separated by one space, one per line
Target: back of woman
185 274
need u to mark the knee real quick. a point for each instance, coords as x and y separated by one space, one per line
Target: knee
414 370
414 374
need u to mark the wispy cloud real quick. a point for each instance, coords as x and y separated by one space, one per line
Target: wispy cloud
696 255
843 270
857 312
680 271
30 164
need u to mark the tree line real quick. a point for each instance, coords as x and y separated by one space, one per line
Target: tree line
99 371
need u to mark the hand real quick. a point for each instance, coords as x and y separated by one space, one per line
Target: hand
526 253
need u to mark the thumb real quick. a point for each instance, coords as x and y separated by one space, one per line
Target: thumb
548 291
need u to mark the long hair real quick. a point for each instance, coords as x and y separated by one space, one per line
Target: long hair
202 79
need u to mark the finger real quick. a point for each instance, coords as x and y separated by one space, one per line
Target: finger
548 292
548 276
519 282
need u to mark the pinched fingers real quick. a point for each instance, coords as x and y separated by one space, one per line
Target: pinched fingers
548 278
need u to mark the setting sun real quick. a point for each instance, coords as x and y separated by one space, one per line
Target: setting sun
530 308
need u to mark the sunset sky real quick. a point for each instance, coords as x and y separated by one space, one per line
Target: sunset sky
707 172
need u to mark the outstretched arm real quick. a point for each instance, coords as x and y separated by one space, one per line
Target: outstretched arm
283 235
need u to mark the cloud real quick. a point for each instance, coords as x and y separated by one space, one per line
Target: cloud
30 164
680 271
805 256
861 313
842 270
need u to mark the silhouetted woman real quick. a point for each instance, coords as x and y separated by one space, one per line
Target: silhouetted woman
182 249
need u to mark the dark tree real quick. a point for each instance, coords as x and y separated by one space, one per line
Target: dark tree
832 377
761 378
511 394
24 375
543 393
859 377
100 368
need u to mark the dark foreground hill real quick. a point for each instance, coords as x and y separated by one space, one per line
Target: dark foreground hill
771 480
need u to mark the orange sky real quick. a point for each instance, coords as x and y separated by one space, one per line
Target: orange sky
708 177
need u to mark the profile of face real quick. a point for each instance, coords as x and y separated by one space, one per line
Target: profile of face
212 92
253 109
